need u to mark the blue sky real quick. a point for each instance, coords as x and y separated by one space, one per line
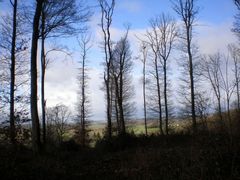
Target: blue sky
213 33
138 12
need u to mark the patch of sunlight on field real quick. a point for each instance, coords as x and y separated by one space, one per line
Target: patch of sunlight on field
140 129
68 134
136 127
97 128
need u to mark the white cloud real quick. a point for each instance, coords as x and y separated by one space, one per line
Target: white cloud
212 38
96 94
61 84
61 87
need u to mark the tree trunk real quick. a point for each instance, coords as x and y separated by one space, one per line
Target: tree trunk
165 94
109 106
144 95
238 96
218 94
117 116
159 97
36 143
117 105
194 123
12 83
237 85
83 101
43 66
120 101
109 114
106 14
229 116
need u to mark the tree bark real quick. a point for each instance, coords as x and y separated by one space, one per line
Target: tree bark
194 123
236 74
187 11
109 112
144 94
12 83
165 94
43 67
159 96
120 101
119 122
83 119
238 95
36 143
106 21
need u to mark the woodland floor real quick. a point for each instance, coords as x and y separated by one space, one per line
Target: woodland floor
156 157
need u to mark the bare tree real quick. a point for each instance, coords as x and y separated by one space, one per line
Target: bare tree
58 117
59 18
188 11
120 70
43 69
13 53
83 104
211 68
235 54
153 42
144 51
167 35
34 106
203 108
12 84
106 21
236 24
228 87
216 69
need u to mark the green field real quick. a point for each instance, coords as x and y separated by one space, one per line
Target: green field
137 127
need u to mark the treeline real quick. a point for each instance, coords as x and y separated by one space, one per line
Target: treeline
49 20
